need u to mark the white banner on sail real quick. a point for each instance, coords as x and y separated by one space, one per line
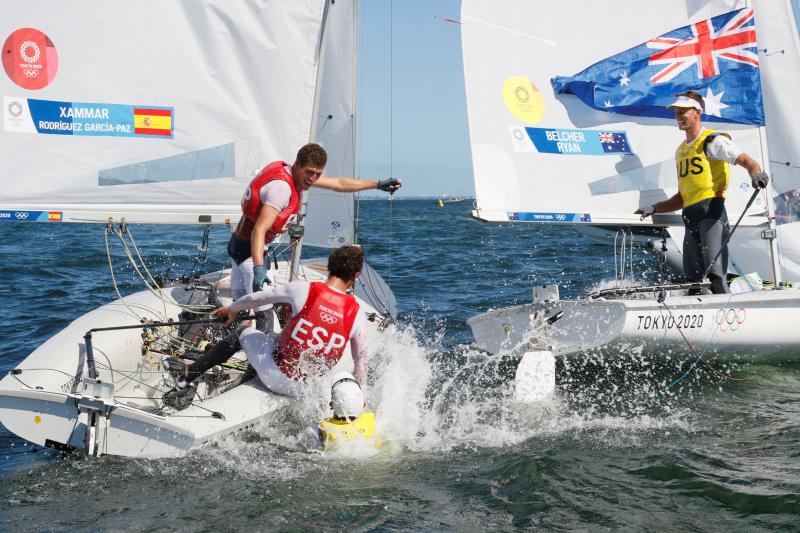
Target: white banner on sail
169 106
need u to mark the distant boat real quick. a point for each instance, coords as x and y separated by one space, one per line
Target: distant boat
447 199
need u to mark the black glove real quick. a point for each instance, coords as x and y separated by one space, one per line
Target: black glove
760 180
389 185
645 212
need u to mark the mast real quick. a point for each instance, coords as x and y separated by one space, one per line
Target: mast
297 227
771 233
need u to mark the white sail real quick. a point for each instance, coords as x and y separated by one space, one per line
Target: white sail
778 38
237 89
517 45
330 221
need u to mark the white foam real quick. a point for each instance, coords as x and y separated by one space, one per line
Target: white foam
426 401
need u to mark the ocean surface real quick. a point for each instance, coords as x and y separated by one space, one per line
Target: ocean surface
613 450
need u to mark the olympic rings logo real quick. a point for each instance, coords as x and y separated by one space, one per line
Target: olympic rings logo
730 319
30 73
15 109
21 215
328 319
23 52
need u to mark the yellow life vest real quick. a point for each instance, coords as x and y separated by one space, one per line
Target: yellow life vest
335 429
698 176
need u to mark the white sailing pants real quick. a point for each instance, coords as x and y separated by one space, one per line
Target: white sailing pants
259 348
242 285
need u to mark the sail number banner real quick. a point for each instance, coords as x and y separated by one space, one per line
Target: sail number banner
51 117
579 142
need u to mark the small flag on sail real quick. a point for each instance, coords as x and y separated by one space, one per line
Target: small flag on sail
614 142
717 57
147 121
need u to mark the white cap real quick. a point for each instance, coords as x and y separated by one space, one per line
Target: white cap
685 101
347 399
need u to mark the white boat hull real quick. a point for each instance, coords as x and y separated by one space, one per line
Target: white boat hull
42 402
760 325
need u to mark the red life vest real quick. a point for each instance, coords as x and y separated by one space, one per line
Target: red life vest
322 329
252 204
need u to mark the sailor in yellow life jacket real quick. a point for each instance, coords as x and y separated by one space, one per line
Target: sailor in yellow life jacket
702 164
350 422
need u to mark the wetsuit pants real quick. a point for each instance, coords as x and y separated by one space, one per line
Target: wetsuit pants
706 230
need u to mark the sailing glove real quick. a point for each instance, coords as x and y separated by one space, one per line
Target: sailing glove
645 211
760 180
260 278
389 185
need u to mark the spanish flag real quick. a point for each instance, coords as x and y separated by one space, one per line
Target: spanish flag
54 216
152 121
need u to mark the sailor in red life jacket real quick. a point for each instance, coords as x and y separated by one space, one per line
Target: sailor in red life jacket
269 207
324 319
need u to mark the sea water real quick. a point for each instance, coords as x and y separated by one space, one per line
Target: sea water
614 449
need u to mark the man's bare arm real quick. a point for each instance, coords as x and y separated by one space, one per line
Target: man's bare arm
750 164
266 217
343 184
670 204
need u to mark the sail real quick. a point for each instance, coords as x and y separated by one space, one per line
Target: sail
158 112
542 157
781 71
330 221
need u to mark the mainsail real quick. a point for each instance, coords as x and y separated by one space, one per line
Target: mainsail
542 157
162 113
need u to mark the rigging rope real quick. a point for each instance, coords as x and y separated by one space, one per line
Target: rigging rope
700 354
625 251
114 280
391 133
154 289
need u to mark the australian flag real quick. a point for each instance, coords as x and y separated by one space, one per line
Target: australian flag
614 142
717 57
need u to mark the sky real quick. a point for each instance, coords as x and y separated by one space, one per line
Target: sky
412 106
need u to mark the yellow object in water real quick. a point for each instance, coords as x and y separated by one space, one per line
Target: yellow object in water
335 430
441 203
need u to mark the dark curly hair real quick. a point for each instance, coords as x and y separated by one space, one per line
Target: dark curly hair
346 262
311 153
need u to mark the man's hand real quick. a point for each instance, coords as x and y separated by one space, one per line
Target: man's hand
225 313
260 278
760 180
389 185
645 212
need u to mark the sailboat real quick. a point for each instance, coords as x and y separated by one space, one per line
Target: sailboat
448 199
545 158
168 130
